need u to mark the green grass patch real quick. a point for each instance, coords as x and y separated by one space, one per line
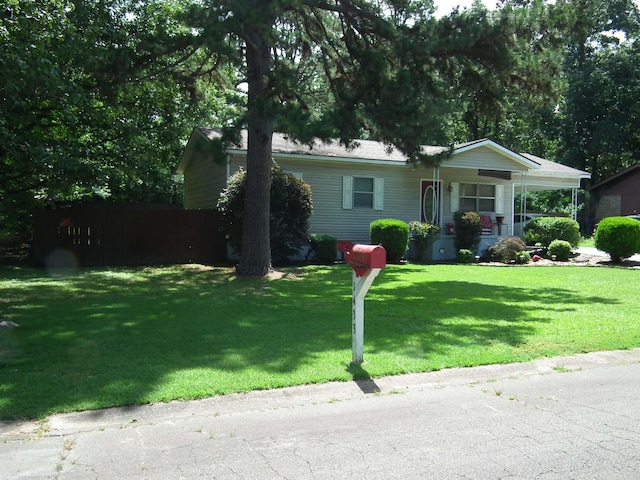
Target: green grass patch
586 242
110 337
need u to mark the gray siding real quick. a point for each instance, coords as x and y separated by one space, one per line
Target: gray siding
352 224
485 158
203 181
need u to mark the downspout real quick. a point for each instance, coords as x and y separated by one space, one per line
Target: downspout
523 193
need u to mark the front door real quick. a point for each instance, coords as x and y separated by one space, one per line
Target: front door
430 205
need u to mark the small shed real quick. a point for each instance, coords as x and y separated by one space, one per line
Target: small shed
618 194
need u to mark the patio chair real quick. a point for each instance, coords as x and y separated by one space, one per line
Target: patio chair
487 224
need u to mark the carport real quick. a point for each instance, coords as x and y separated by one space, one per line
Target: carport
549 176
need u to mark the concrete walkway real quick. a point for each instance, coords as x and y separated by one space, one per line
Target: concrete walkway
558 418
600 253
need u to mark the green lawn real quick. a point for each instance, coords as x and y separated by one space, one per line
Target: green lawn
586 242
124 336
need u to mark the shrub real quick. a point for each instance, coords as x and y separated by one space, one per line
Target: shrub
465 255
506 249
468 230
545 230
561 249
422 235
393 235
290 206
324 247
619 237
523 257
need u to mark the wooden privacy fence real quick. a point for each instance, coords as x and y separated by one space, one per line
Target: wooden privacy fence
113 234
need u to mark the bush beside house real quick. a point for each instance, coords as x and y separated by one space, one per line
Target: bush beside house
324 248
545 230
393 235
560 250
468 230
422 235
291 209
507 250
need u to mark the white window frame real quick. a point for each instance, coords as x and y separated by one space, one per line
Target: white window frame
348 192
498 198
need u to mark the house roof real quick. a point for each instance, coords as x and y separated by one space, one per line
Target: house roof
616 177
548 167
365 150
368 151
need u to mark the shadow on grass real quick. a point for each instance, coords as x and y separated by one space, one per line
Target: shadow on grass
128 336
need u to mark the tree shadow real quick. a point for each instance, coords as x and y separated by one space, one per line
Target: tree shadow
110 337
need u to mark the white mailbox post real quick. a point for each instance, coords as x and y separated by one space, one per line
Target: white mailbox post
366 262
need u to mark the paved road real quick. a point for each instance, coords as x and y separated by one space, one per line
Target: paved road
562 418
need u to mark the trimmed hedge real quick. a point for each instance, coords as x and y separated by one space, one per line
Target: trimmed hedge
545 230
561 249
422 235
393 235
324 247
619 237
468 230
464 255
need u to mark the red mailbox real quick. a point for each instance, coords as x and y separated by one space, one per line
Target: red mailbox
363 258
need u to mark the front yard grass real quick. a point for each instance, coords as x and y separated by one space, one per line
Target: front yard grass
108 337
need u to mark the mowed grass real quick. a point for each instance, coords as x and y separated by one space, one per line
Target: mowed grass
110 337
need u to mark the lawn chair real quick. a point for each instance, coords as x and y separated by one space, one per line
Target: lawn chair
487 225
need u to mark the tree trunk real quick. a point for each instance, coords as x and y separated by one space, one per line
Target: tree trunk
255 257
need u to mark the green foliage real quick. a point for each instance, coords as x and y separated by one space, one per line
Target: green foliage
600 135
523 257
324 247
468 230
393 235
391 69
96 100
422 235
291 208
561 249
464 255
548 201
506 249
619 237
545 230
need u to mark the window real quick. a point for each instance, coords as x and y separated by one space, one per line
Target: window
477 197
362 192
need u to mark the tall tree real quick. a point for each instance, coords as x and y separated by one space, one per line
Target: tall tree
523 119
602 84
388 67
96 98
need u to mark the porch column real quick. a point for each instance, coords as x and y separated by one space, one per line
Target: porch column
574 203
